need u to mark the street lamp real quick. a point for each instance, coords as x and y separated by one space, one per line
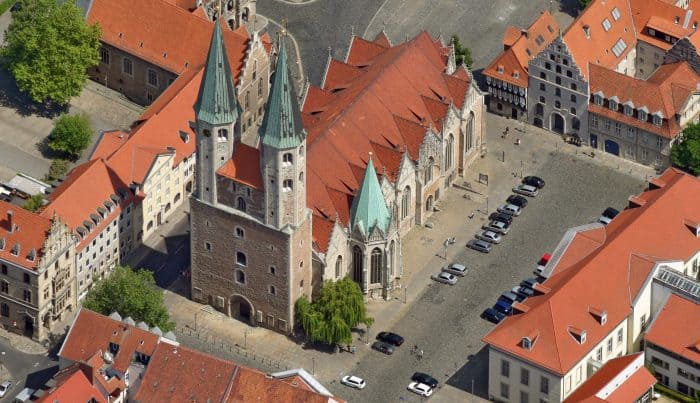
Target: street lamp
313 365
245 338
405 294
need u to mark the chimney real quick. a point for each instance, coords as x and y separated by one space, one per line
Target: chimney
523 32
11 227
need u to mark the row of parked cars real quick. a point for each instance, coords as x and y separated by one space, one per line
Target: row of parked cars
504 305
500 221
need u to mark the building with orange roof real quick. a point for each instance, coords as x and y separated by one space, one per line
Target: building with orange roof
507 75
141 61
113 360
37 277
672 347
601 290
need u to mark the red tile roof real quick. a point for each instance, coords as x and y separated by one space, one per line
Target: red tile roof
155 30
108 143
92 332
659 15
597 48
72 386
666 91
244 166
669 329
520 47
381 99
623 260
250 385
25 230
605 386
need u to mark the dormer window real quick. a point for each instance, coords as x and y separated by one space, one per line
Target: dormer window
657 120
527 343
598 99
287 159
677 20
587 31
516 74
604 318
499 69
113 348
642 115
628 110
578 334
15 250
612 104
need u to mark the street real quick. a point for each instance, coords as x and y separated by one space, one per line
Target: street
31 370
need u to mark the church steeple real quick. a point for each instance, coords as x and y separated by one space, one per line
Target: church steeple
369 209
282 127
217 103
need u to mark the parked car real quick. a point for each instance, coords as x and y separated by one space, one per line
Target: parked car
503 307
489 236
444 277
527 190
521 296
353 381
511 209
542 263
509 297
420 388
481 246
385 348
492 315
526 290
608 215
4 387
425 379
535 181
530 282
25 395
517 200
456 269
498 227
391 338
502 217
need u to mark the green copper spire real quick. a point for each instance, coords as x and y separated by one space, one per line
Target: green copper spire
368 207
282 128
217 103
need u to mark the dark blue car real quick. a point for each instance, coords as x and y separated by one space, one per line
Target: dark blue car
503 307
492 315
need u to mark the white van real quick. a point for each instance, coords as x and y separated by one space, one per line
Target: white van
24 396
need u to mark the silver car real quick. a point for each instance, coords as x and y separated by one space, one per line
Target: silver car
498 227
489 236
510 209
525 190
456 269
445 277
481 246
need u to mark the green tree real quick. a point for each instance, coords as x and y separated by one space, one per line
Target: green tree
330 318
583 3
71 135
48 49
685 153
462 54
57 169
34 203
131 293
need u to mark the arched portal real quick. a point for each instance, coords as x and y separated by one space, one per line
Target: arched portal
241 309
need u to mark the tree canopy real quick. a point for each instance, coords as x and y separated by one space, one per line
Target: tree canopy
330 318
685 153
71 135
34 203
583 3
131 293
48 49
462 54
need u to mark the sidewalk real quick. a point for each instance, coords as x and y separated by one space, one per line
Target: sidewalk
422 252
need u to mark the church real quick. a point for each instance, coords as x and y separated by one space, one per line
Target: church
334 179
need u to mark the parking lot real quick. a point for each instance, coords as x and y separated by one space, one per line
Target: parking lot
444 321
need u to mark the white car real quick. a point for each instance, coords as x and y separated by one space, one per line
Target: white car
445 277
489 236
510 209
525 190
456 269
4 387
353 381
498 227
420 388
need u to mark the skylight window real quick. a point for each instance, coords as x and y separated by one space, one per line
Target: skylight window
607 25
615 14
619 47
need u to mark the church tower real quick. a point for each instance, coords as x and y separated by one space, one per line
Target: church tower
216 114
282 150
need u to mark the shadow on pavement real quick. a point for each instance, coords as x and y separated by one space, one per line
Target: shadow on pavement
168 266
12 97
473 376
36 380
570 7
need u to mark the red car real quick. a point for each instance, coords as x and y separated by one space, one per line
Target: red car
542 263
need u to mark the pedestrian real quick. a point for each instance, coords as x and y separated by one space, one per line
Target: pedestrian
420 354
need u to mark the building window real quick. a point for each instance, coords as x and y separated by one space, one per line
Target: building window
27 296
524 376
272 270
544 385
599 354
152 78
357 264
504 390
449 151
240 233
643 319
505 368
619 336
5 310
26 278
405 202
659 142
557 103
127 67
524 398
241 259
4 268
574 87
569 74
247 100
573 98
558 69
557 92
287 185
606 124
558 80
240 204
542 87
104 56
4 286
287 159
428 174
376 261
572 110
610 345
594 121
207 246
618 128
240 277
338 267
260 87
543 75
272 290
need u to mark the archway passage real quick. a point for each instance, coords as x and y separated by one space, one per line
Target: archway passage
241 309
557 123
612 147
429 203
28 326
